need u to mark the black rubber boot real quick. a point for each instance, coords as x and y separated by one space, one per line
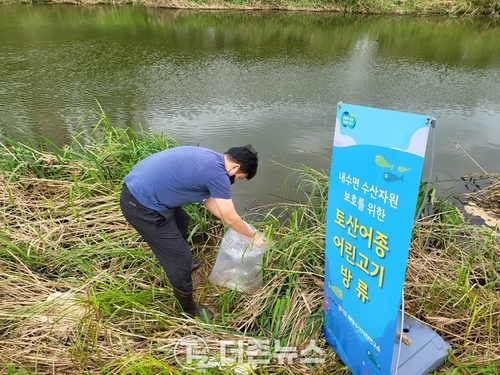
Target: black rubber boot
190 306
197 263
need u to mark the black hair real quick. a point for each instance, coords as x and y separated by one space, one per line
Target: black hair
246 157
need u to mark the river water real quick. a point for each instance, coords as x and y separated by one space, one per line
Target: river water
272 79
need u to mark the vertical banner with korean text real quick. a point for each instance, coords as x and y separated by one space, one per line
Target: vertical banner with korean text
376 168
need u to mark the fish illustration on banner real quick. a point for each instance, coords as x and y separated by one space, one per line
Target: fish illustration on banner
377 161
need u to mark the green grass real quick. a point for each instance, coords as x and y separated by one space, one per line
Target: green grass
81 293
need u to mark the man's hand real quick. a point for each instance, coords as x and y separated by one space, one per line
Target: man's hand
259 240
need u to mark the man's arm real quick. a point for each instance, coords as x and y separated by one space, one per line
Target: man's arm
224 210
210 205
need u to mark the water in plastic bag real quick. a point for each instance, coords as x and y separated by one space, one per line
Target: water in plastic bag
239 263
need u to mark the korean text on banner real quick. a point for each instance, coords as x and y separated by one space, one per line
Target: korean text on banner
376 168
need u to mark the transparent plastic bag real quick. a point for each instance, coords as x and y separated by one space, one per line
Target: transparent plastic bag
239 263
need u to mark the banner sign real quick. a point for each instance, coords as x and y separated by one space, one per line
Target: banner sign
375 175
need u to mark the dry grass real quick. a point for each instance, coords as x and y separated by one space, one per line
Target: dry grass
442 7
80 293
484 200
76 298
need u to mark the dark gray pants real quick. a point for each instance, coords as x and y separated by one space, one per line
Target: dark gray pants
166 234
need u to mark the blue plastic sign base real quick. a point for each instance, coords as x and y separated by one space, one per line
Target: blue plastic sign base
427 351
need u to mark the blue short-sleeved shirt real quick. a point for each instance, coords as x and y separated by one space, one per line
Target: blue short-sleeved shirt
177 176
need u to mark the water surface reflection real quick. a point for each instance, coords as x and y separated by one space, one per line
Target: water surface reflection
272 79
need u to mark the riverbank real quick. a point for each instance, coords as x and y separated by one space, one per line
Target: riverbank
424 7
81 293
